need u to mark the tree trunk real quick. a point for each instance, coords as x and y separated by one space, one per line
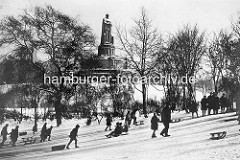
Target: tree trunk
144 98
184 99
58 110
216 88
21 109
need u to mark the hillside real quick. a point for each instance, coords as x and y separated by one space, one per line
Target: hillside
190 139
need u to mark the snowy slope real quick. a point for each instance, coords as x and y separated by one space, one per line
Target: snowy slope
189 140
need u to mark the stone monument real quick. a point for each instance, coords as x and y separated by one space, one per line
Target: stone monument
106 49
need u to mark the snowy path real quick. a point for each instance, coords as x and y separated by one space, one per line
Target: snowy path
189 140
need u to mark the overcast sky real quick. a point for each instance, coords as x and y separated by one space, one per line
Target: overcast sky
167 15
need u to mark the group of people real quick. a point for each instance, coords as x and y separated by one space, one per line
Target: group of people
46 133
13 135
214 103
165 119
120 128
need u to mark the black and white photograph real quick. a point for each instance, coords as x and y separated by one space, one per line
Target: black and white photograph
119 79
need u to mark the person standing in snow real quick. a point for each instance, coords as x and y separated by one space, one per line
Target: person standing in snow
14 136
128 119
223 103
210 103
4 133
204 105
166 118
43 134
193 107
215 103
154 124
109 122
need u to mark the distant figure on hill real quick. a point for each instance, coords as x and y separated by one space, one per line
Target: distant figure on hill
154 124
223 103
193 107
166 118
14 136
215 103
4 134
210 103
204 102
108 122
73 136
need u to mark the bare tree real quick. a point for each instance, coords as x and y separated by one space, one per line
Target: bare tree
60 37
140 43
186 49
217 55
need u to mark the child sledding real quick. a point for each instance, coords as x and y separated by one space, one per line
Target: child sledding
119 129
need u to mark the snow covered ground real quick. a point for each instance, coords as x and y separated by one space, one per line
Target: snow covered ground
190 139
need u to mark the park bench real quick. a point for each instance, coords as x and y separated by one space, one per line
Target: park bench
58 147
218 135
28 140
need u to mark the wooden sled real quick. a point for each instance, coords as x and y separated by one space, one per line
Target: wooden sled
141 122
176 120
218 135
110 136
59 147
29 140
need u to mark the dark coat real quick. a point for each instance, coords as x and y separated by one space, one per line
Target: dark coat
166 115
210 101
4 131
224 102
215 102
73 133
118 130
193 106
14 134
154 123
109 121
204 102
44 129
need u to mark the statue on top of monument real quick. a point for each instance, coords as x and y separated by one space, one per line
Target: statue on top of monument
106 30
106 20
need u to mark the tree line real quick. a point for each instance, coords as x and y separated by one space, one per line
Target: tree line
68 45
